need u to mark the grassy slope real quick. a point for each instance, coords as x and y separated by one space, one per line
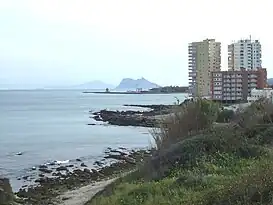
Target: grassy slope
223 166
212 184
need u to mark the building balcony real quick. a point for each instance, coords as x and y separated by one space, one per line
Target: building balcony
191 79
252 85
192 74
191 67
227 98
252 76
217 89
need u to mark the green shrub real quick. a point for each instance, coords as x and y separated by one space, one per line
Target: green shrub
187 120
225 116
260 135
241 181
255 186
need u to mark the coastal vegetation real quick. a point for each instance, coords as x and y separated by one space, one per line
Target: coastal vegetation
6 194
197 162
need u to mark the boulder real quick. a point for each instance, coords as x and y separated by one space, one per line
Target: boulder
45 170
41 175
57 174
98 163
87 170
25 177
43 166
61 168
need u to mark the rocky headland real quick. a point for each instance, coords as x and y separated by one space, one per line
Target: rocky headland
149 118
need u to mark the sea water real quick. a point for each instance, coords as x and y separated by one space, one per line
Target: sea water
39 126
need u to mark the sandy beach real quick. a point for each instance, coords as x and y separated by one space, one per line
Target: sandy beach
82 195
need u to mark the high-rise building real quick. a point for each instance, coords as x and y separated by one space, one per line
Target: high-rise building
244 54
204 57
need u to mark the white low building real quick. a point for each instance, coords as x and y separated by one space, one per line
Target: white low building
257 94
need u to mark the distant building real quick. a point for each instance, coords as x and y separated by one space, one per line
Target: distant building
257 94
236 85
204 58
139 90
244 54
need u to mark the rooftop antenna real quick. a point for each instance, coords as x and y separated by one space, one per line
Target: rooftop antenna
250 37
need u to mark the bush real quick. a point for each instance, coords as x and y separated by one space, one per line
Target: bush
222 179
179 146
187 152
252 187
188 119
260 112
225 116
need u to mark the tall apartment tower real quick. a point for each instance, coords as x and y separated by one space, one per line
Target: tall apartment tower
244 54
204 58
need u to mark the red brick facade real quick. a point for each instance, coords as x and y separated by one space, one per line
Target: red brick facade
261 78
236 85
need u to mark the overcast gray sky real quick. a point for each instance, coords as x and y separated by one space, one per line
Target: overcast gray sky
61 42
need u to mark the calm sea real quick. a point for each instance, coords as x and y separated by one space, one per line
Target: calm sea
52 125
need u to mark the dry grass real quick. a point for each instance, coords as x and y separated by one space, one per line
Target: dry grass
260 112
187 120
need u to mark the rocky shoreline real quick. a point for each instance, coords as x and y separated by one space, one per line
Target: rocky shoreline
56 178
52 182
134 118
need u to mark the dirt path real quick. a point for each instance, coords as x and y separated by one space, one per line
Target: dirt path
82 195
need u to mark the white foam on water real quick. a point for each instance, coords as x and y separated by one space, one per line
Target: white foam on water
62 162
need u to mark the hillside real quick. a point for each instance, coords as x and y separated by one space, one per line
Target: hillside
131 84
199 163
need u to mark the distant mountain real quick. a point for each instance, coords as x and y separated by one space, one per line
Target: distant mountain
131 84
96 84
270 81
